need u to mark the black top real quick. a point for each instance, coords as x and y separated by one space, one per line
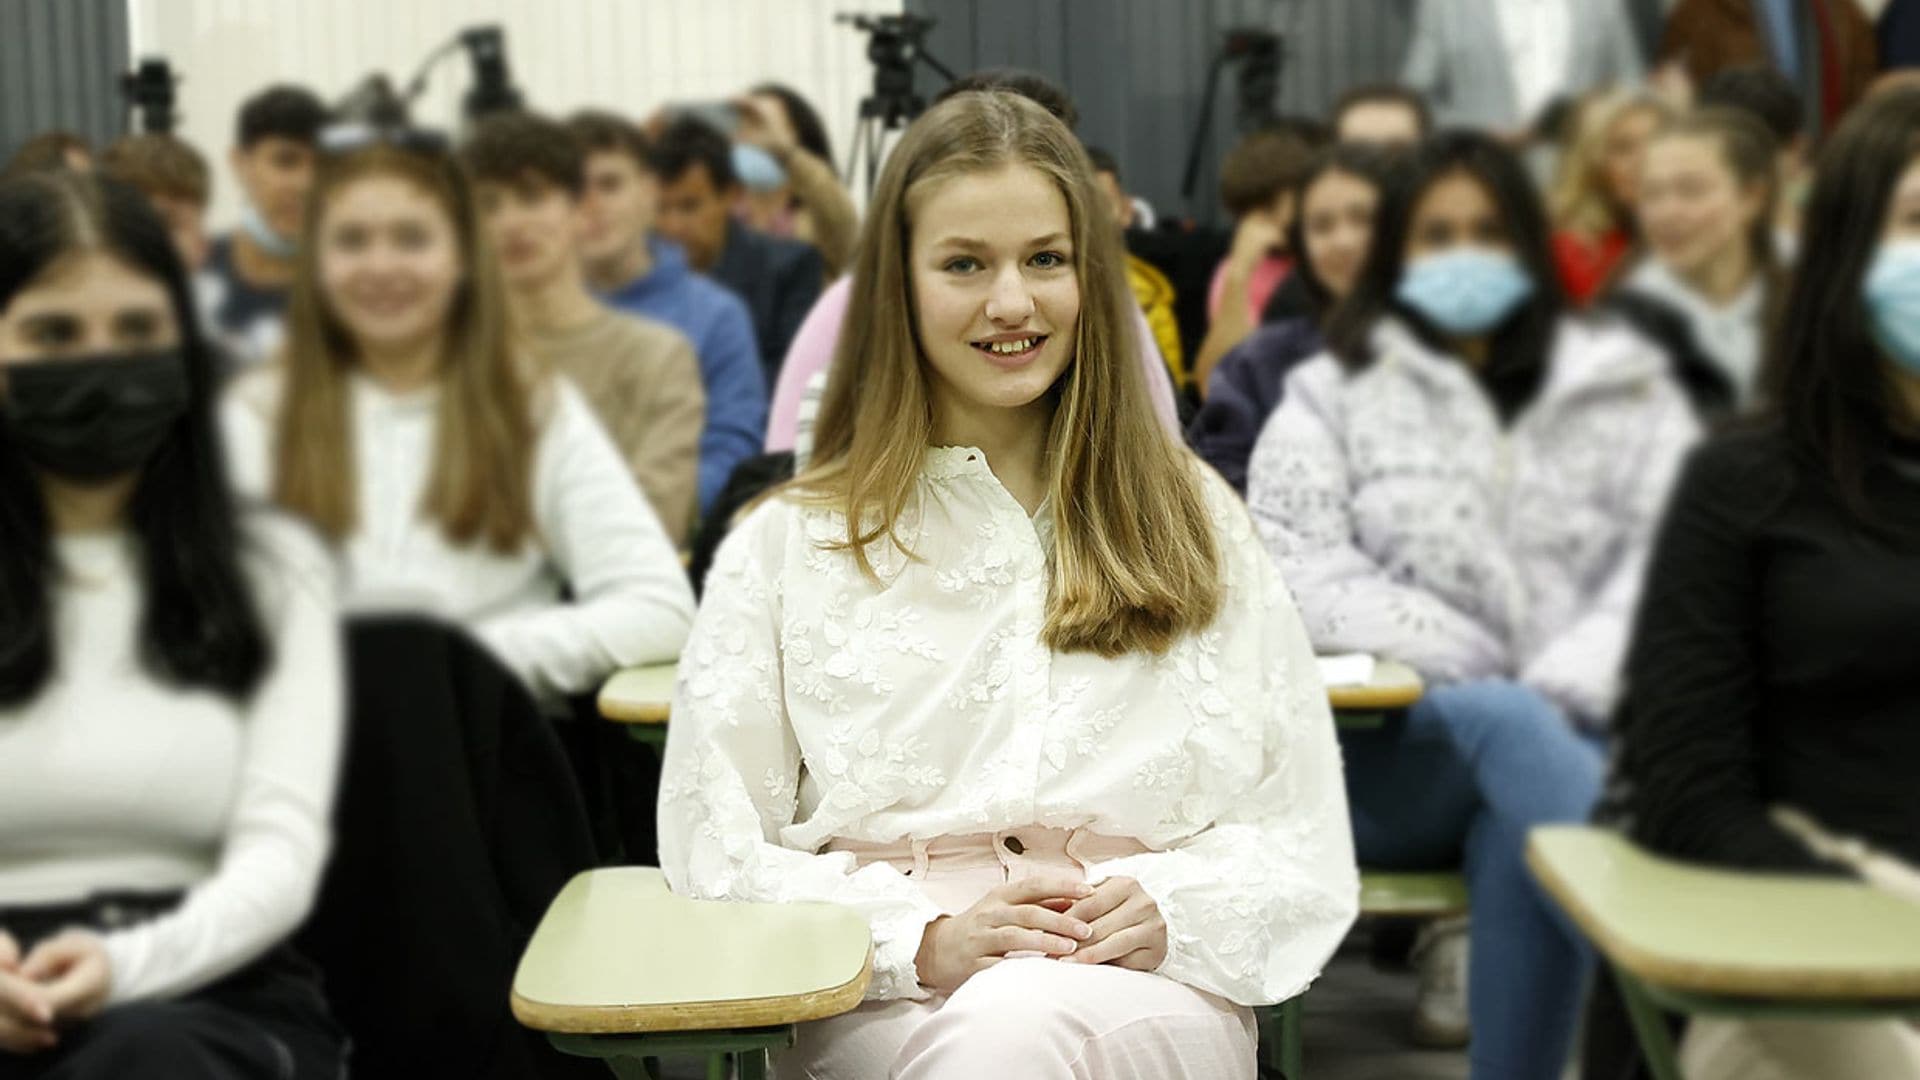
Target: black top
779 280
1776 660
241 303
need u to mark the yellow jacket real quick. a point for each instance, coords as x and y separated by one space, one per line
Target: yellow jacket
1154 293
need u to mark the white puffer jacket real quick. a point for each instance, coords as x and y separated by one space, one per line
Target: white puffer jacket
1409 523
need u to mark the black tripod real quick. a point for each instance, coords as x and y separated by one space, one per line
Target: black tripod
898 42
1259 53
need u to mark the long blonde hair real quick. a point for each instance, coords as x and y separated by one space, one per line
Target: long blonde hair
1580 202
481 483
1135 564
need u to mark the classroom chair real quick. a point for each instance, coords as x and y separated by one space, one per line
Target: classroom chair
1705 941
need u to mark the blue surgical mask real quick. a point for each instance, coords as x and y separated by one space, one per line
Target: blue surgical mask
1892 293
262 234
1465 291
757 169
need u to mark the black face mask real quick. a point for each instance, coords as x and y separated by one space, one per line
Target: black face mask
90 419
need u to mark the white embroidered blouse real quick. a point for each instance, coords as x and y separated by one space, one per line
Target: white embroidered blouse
815 704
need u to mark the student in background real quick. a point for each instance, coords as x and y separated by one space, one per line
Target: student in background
777 279
1772 660
639 376
1332 233
802 376
1257 182
1493 66
1150 288
174 178
170 684
1384 117
1825 47
995 528
50 150
640 273
459 477
1468 481
1706 216
1768 96
1383 114
248 272
1595 190
810 204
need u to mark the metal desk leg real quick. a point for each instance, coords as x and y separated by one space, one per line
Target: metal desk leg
1650 1025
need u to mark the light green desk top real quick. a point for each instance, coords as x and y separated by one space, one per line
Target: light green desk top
617 953
1394 686
1723 932
644 695
639 695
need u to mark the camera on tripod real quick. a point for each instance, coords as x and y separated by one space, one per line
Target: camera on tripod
895 44
148 89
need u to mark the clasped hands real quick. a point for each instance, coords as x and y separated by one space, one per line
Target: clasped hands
1115 922
63 980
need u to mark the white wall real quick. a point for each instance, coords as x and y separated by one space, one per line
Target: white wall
628 55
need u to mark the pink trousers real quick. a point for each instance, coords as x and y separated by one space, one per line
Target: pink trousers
1032 1018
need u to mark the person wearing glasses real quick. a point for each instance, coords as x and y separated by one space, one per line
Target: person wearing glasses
459 478
170 691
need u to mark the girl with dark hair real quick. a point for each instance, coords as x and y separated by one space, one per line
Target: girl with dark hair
791 187
170 700
809 131
1331 232
1468 481
1772 664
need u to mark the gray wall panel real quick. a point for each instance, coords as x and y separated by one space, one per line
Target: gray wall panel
1137 68
60 65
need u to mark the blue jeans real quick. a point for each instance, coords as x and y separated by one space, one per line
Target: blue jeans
1460 779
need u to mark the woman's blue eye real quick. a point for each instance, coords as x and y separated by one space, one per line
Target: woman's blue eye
960 265
1049 260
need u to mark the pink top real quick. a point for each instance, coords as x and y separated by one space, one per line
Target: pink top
1266 277
814 344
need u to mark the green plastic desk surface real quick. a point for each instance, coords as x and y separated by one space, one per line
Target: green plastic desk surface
1412 894
1711 931
618 953
1394 686
639 695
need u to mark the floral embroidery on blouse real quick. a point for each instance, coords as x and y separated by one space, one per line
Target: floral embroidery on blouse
816 704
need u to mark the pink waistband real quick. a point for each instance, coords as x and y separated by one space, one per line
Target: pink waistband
1007 849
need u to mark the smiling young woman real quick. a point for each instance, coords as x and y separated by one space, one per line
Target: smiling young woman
459 477
1006 667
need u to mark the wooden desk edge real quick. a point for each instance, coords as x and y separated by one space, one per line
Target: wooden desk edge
623 713
1717 979
694 1015
1356 698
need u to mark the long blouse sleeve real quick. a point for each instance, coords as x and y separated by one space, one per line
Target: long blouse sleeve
732 770
1300 494
276 840
1257 902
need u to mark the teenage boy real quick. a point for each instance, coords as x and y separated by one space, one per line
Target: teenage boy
640 376
249 272
647 275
